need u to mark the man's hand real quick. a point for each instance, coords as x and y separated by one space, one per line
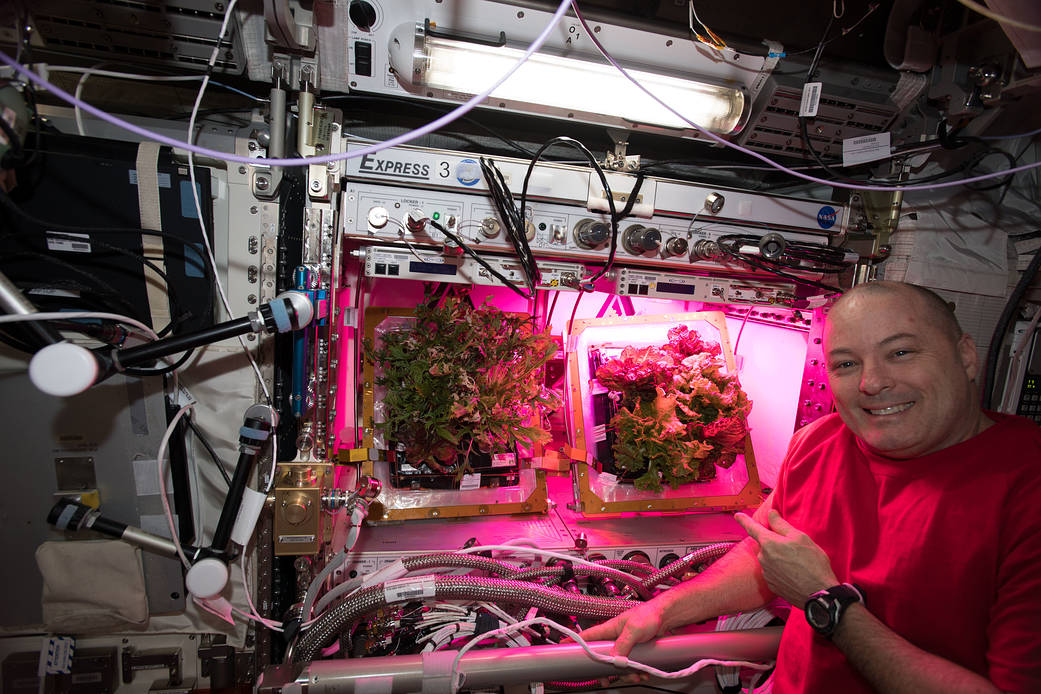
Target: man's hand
793 565
636 625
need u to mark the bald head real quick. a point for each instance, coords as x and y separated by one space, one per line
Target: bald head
931 305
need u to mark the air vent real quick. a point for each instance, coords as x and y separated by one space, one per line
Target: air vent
178 34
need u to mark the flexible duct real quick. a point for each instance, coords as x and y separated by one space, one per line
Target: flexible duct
698 556
469 561
633 582
471 588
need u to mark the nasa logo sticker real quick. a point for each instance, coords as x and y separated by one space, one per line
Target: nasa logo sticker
826 217
468 172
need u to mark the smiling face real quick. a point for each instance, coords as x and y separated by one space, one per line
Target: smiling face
901 380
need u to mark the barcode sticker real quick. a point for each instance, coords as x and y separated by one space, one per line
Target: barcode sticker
504 460
402 589
859 150
471 481
72 243
811 97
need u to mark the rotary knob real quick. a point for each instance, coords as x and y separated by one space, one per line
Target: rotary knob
490 227
378 217
639 239
675 246
714 203
591 234
362 14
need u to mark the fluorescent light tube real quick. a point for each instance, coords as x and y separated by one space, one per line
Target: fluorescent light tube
558 86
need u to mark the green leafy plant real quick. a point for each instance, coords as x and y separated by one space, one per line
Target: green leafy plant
459 377
679 414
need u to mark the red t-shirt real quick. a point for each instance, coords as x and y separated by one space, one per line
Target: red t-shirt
947 548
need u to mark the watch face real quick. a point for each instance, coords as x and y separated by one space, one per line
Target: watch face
817 615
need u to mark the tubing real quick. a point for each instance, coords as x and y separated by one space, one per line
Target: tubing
495 667
633 582
698 556
473 588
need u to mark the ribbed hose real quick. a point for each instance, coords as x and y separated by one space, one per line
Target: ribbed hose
698 556
468 561
633 582
471 588
633 567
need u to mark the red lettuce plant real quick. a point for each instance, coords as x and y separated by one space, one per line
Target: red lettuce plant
679 415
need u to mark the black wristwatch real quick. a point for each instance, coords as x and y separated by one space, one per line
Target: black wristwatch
824 608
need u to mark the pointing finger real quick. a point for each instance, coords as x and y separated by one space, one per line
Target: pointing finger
754 530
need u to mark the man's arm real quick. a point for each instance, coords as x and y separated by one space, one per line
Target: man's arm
893 664
794 567
731 584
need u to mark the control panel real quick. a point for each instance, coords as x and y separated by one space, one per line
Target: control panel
396 196
423 265
661 285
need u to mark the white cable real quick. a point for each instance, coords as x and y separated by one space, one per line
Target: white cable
161 468
434 125
198 209
76 315
1003 19
254 614
93 71
621 661
357 516
776 165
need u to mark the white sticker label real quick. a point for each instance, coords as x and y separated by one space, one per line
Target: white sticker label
62 241
858 150
472 481
402 589
600 433
811 98
56 655
503 459
608 479
146 478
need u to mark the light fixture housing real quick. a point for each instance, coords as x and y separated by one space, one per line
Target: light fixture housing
431 64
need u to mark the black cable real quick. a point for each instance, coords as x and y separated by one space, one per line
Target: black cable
495 273
11 205
728 245
433 108
1001 182
1002 327
514 221
584 283
209 450
826 259
179 314
107 291
54 228
159 371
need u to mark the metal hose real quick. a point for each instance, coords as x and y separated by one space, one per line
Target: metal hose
698 556
633 567
469 561
471 588
633 582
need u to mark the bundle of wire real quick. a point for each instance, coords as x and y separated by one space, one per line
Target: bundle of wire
513 220
804 257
